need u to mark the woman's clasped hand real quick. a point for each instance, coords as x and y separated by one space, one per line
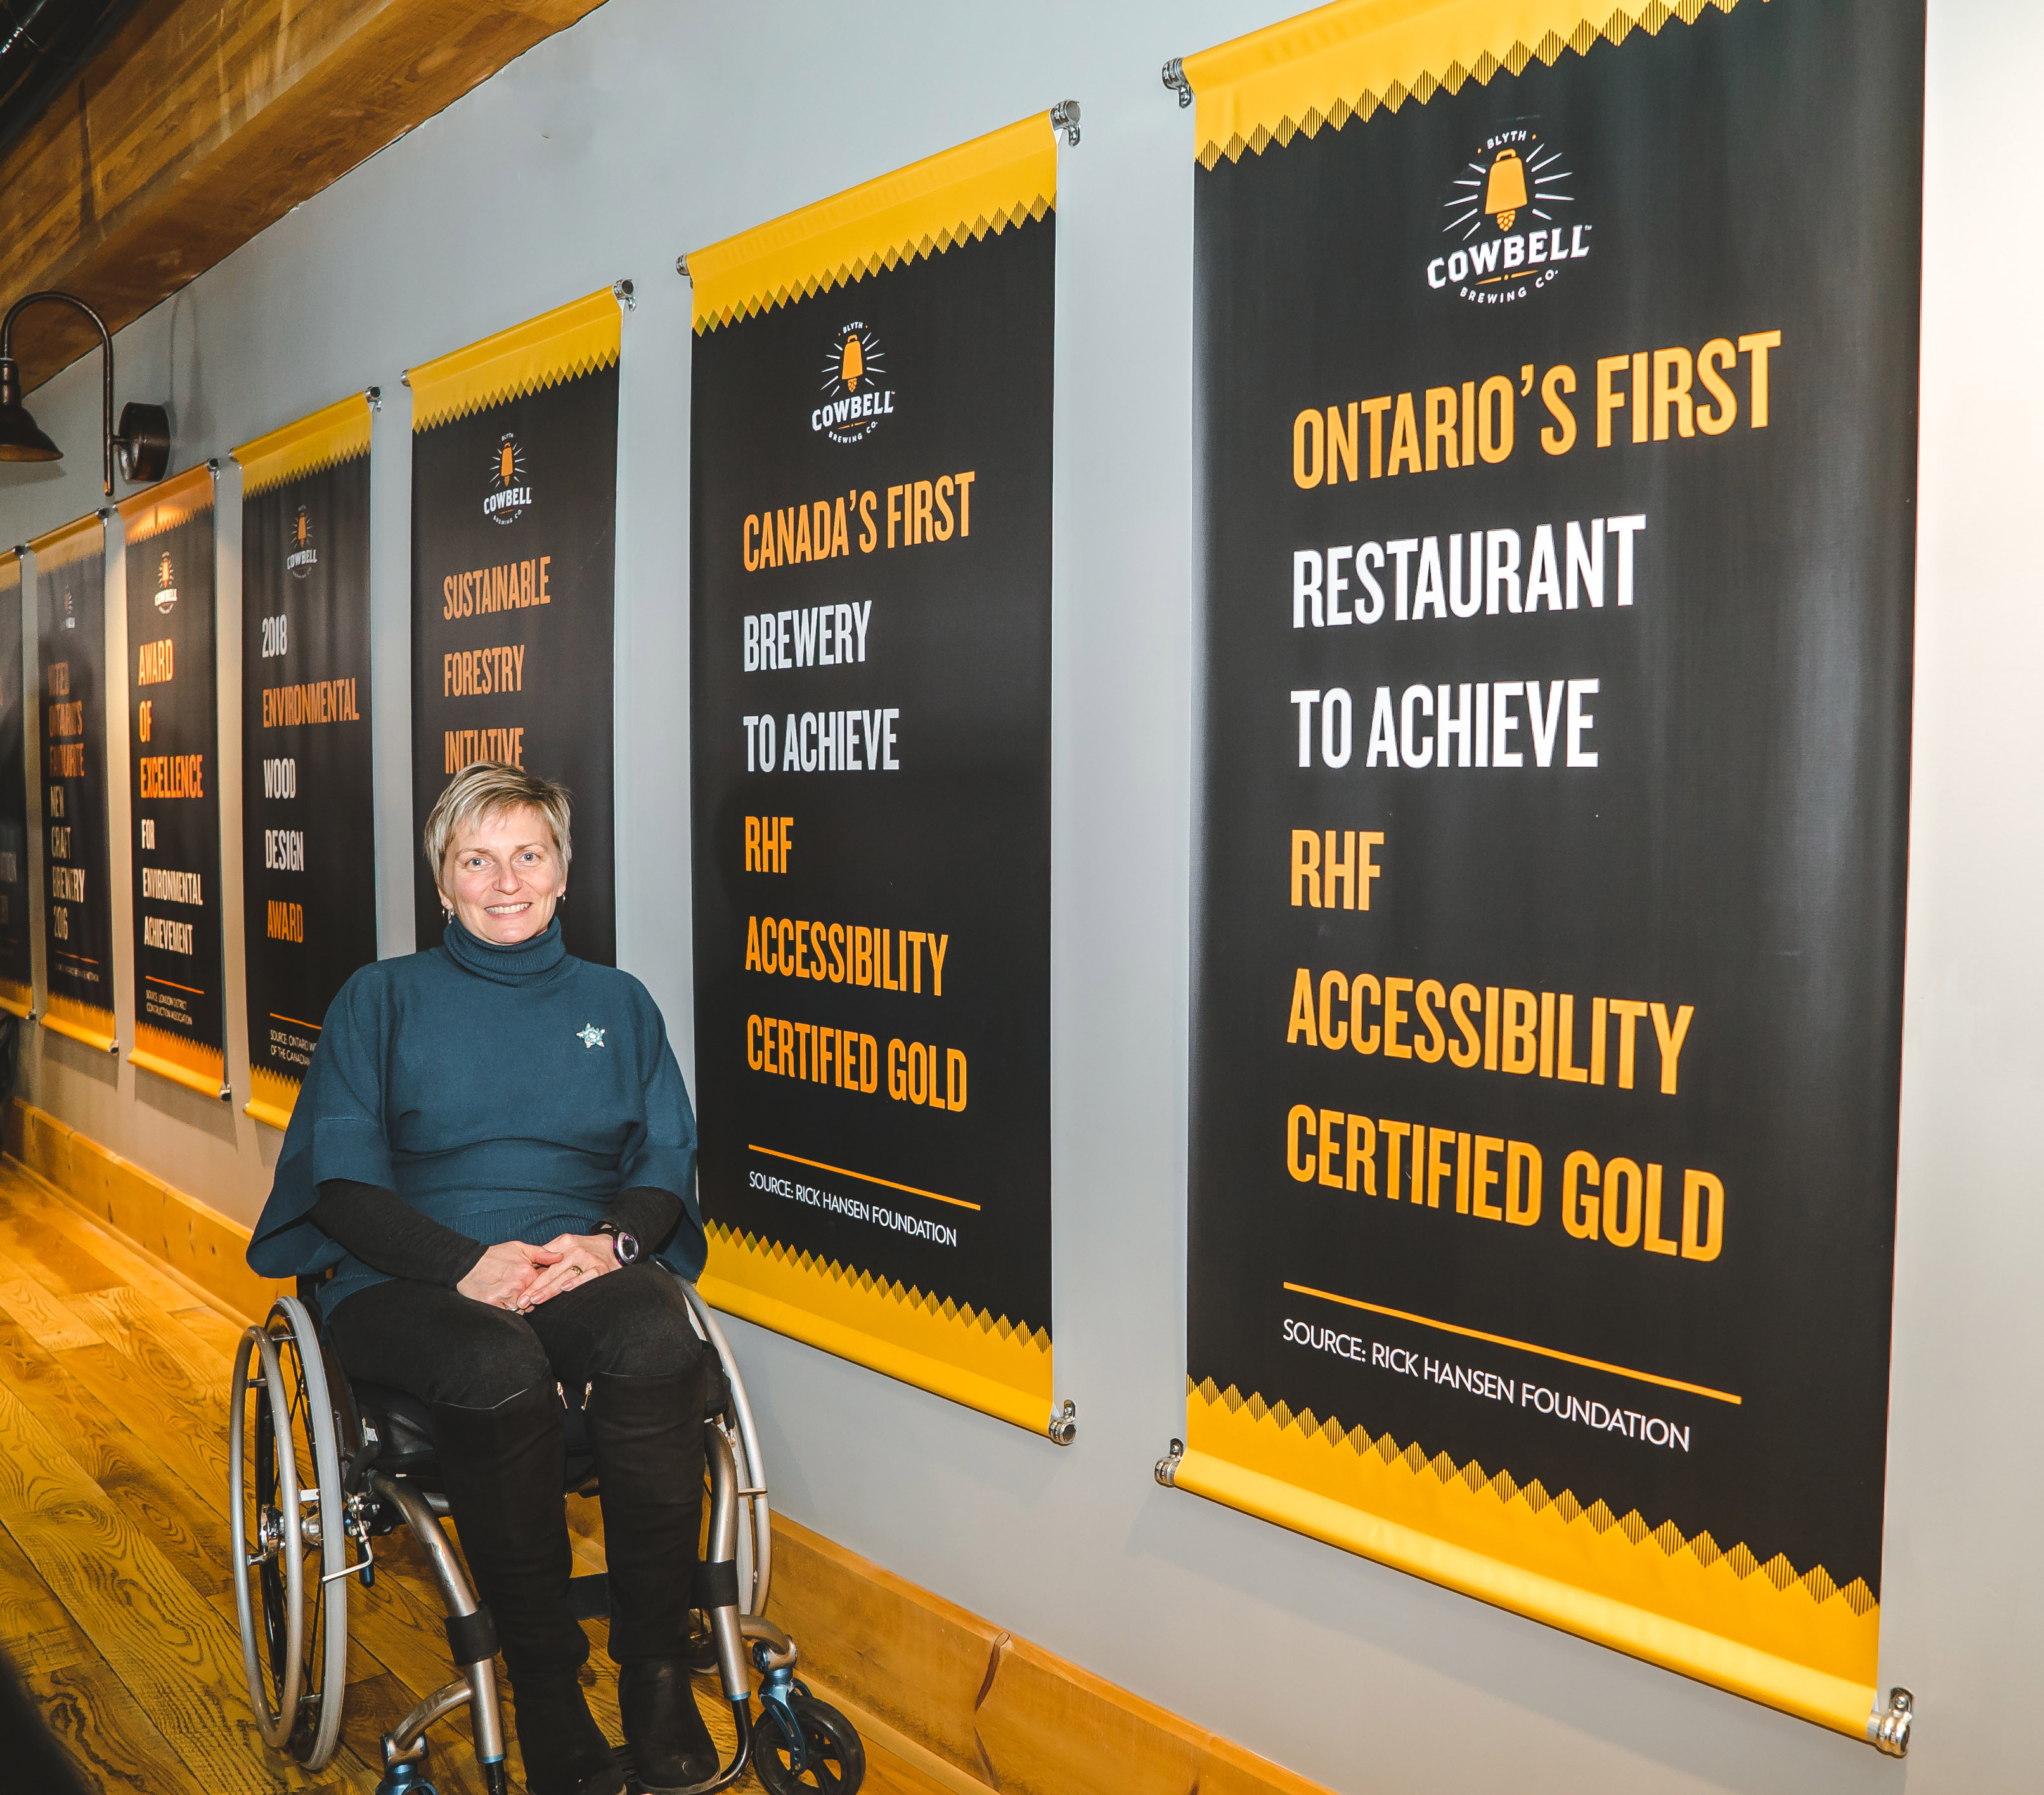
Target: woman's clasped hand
517 1276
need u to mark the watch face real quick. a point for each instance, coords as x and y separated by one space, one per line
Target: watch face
626 1245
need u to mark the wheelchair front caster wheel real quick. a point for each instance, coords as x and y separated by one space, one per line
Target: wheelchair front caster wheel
833 1759
404 1779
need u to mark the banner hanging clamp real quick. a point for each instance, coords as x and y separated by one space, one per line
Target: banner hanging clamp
1167 1466
1888 1728
1174 78
682 268
621 292
1065 117
1064 1428
374 396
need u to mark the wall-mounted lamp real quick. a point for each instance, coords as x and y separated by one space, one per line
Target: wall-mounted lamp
144 439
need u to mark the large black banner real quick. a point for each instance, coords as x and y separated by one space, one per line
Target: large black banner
173 751
871 575
78 919
307 792
17 960
514 515
1558 438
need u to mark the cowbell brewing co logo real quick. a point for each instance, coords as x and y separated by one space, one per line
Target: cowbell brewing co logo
856 397
1511 219
302 557
509 494
166 585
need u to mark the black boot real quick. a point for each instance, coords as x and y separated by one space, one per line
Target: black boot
564 1749
647 1434
504 1471
671 1748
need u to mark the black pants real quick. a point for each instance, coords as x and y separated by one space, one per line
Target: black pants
625 1339
447 1348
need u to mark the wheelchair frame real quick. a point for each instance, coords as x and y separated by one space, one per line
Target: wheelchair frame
305 1416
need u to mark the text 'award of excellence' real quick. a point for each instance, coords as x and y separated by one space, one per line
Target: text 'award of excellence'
180 1016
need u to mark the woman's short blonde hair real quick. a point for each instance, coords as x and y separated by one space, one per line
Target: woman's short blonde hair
488 789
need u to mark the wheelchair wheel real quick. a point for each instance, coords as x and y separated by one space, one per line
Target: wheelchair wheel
834 1760
287 1514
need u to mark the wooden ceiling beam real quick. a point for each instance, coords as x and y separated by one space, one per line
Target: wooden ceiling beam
202 122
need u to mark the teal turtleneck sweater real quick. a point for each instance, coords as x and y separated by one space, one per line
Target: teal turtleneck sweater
509 1093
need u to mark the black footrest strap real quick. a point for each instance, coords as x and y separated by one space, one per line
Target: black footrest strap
471 1638
589 1597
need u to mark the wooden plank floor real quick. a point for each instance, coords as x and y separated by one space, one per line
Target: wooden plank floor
117 1594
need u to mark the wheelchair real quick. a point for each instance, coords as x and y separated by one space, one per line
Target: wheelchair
320 1466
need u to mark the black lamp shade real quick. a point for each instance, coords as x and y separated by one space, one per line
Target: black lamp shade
20 439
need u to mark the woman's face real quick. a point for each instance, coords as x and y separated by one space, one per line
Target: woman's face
503 876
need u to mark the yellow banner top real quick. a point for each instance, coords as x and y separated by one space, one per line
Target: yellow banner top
572 339
338 433
923 209
1348 60
178 498
10 569
75 542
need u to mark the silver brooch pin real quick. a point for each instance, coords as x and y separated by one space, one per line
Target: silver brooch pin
589 1035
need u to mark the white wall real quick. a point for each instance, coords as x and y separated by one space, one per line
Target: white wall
654 126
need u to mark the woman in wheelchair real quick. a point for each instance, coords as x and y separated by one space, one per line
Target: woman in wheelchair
492 1153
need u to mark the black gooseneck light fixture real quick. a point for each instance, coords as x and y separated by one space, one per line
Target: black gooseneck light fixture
143 440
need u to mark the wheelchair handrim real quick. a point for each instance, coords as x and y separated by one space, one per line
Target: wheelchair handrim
331 1595
275 1726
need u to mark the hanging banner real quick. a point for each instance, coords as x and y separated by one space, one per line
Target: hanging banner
78 920
514 515
180 946
17 964
1558 487
871 604
308 795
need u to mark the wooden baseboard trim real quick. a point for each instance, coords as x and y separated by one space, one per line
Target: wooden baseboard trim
203 1249
975 1709
965 1704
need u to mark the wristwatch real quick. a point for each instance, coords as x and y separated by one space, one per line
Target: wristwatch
623 1242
